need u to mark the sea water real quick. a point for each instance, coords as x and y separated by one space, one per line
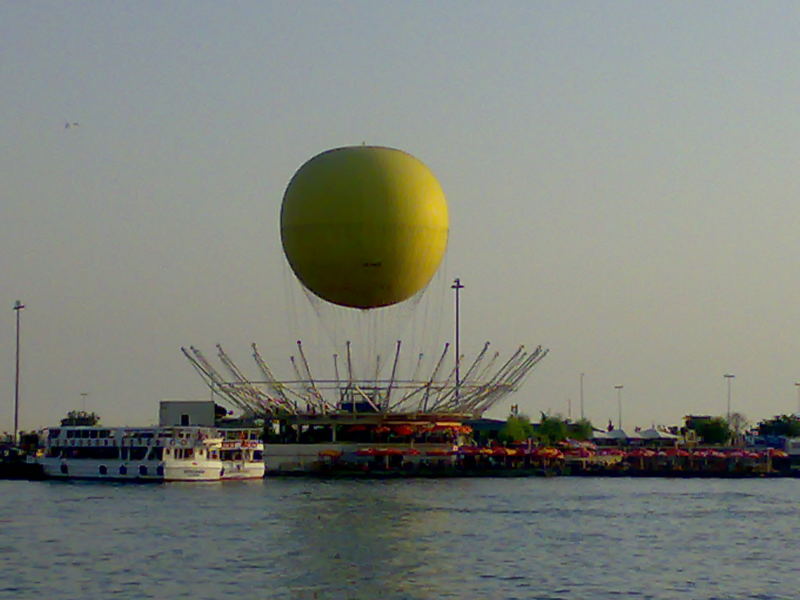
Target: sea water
553 538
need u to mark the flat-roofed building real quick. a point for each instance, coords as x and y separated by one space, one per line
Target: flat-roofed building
186 412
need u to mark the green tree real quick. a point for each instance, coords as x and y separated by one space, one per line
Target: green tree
713 431
552 429
581 430
80 417
786 425
517 429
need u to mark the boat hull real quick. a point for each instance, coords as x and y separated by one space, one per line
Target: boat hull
144 471
237 470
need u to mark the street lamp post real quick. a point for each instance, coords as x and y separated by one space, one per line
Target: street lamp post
457 286
18 306
619 387
729 376
582 415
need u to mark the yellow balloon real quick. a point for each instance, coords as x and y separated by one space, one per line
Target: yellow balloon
364 226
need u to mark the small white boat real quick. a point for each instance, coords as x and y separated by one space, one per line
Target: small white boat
242 453
132 453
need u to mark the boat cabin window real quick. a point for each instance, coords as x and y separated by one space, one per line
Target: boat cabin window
138 453
53 433
184 420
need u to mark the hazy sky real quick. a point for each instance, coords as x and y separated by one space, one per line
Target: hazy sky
622 180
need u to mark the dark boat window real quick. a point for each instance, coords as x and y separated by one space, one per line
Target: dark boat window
160 471
64 469
103 470
142 470
53 433
123 470
258 455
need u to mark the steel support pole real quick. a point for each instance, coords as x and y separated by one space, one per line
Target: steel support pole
728 376
18 306
457 286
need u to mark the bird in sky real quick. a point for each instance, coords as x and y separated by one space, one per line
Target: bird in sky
69 125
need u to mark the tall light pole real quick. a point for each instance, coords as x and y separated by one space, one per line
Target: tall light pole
18 306
457 286
582 416
729 377
619 387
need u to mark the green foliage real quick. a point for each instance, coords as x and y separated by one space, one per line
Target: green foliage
80 417
552 430
713 431
517 429
581 430
786 425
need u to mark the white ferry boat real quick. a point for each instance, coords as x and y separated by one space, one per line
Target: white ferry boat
132 453
242 454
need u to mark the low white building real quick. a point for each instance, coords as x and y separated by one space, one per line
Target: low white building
185 413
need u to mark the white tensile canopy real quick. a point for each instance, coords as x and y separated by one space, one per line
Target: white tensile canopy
615 434
657 434
599 434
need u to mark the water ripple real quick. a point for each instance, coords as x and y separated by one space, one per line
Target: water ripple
401 540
